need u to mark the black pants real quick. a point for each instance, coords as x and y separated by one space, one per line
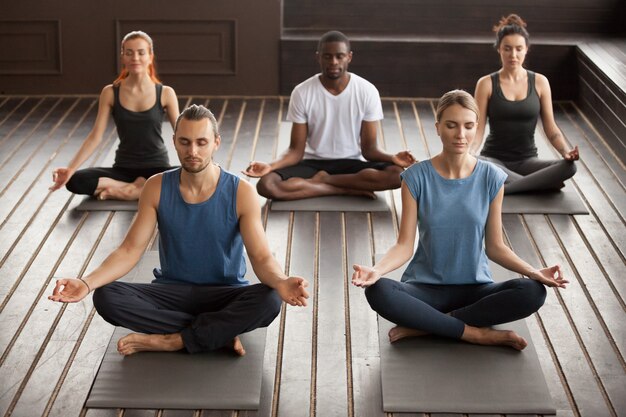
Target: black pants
208 317
426 306
85 181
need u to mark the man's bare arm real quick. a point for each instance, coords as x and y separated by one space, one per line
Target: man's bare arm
291 156
267 269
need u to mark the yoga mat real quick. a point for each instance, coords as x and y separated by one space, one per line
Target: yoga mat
334 203
565 201
217 380
430 374
90 203
177 380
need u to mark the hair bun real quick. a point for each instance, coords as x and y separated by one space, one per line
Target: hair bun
510 20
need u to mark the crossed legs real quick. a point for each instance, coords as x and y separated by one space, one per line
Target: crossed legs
111 183
196 318
363 183
534 174
457 311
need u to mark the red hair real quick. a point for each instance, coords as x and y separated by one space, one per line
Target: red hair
151 68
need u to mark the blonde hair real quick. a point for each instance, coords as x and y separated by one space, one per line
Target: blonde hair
460 97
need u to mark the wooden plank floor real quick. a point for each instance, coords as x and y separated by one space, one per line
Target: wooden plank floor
322 360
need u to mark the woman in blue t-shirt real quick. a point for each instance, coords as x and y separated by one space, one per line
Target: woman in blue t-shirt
137 101
447 288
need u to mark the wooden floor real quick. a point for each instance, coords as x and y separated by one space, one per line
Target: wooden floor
322 360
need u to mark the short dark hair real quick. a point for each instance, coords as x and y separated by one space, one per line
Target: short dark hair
197 112
333 36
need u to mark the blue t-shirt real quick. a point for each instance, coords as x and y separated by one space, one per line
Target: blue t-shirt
200 243
452 215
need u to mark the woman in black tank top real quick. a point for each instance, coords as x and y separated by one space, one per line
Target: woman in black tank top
137 101
512 99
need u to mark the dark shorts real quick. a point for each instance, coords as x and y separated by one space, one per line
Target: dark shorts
309 167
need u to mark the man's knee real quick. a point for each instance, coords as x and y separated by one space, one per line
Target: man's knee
268 301
393 173
104 300
268 185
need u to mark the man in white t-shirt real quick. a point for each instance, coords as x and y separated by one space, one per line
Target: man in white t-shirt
333 147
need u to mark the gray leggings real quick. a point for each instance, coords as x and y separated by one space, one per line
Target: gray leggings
534 174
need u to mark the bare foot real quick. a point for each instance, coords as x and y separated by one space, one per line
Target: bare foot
320 176
323 176
129 191
399 332
488 336
138 342
238 346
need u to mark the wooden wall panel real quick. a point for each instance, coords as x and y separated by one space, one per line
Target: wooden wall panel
450 17
214 50
30 47
216 47
602 98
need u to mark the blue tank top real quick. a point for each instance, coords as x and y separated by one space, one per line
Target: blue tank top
512 123
141 142
452 215
200 243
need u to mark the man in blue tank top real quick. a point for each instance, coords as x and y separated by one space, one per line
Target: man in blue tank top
199 300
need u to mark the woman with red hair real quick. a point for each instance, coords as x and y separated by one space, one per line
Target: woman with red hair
137 101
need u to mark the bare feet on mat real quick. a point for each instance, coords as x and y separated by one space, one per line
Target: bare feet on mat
488 336
138 342
320 176
323 176
238 346
399 332
129 191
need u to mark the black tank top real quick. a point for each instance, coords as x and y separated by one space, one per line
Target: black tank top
141 143
512 123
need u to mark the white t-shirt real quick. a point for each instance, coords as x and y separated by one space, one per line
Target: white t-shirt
334 122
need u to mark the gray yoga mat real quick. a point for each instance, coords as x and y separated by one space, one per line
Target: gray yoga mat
565 201
334 203
217 380
431 374
90 203
438 375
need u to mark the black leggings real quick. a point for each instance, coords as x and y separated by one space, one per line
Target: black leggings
85 181
534 174
208 317
426 306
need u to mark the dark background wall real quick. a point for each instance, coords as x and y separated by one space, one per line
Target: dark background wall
202 47
424 48
265 47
